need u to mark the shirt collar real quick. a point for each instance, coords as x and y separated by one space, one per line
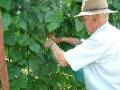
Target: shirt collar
103 27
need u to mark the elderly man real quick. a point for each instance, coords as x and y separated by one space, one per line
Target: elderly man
99 55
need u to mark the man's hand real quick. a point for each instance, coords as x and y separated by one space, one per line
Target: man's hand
57 52
48 43
55 39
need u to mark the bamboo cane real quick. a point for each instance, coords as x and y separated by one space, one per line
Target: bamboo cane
3 66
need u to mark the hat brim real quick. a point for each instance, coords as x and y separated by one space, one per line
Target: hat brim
87 13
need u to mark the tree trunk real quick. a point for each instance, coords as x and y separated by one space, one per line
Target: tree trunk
3 66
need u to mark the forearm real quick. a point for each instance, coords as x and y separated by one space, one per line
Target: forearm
59 55
71 40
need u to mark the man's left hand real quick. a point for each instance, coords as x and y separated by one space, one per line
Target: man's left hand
48 43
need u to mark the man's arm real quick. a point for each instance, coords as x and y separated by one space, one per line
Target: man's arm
57 52
59 55
69 40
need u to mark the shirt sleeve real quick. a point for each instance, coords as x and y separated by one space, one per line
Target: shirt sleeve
88 52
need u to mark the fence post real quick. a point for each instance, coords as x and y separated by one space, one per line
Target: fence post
3 66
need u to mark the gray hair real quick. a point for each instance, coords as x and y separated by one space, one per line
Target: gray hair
104 15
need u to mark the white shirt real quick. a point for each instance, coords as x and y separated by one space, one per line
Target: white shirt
99 56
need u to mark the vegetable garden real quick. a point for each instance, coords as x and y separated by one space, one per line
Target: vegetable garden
26 24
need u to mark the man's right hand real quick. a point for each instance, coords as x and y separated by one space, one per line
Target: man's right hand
69 40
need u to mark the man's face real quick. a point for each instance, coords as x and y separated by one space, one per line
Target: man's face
89 23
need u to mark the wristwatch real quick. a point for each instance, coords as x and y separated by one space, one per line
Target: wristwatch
80 41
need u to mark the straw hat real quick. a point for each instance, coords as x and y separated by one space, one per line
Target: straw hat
91 7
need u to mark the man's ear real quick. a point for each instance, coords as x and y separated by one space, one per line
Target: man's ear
96 17
96 21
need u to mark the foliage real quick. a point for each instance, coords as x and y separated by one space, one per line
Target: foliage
26 24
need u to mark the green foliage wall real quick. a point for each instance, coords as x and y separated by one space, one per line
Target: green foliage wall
26 24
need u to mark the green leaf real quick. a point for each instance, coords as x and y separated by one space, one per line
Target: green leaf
22 62
109 1
67 1
34 65
118 25
16 55
22 24
9 37
6 20
40 17
78 0
36 9
23 81
78 25
14 72
20 82
35 47
24 40
49 16
59 15
117 4
52 26
15 88
14 84
5 4
33 21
